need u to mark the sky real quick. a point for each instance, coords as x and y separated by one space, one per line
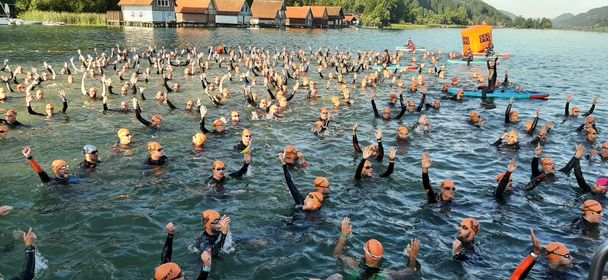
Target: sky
546 8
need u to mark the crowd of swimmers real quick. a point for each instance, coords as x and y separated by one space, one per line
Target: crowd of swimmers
285 74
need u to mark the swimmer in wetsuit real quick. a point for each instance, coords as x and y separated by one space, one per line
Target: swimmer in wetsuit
218 179
590 220
447 188
504 181
511 116
376 151
157 119
524 268
29 266
60 169
246 137
313 200
217 229
511 138
492 75
50 108
364 169
11 119
463 245
370 266
168 270
91 160
156 155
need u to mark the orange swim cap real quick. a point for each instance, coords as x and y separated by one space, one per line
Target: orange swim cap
153 146
373 250
321 182
11 113
317 199
167 271
447 183
50 106
403 129
209 216
123 131
218 163
57 164
555 251
246 132
157 117
234 114
472 224
218 122
545 161
592 205
199 139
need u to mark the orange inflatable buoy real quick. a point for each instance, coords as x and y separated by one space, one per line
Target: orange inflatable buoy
476 38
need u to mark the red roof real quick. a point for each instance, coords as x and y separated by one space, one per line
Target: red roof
297 12
318 12
265 9
230 6
192 6
334 11
135 2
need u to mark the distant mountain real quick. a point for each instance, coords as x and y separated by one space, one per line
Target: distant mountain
562 18
509 14
593 19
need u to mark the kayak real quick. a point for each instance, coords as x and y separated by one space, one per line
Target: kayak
405 48
508 93
394 67
463 62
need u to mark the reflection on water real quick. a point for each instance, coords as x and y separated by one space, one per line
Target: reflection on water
112 225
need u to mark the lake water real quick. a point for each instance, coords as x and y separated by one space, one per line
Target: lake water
112 226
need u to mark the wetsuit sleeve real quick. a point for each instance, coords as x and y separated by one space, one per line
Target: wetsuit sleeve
32 112
566 169
202 275
567 109
380 151
535 170
202 126
507 113
359 169
105 107
44 177
535 182
241 172
422 100
65 106
580 180
293 94
270 93
534 123
426 183
389 170
165 256
217 246
502 185
590 110
171 105
356 144
498 142
580 128
295 193
29 265
375 109
142 120
523 269
403 107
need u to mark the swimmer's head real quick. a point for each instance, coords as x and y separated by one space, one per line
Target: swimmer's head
60 168
604 152
218 169
11 116
558 255
211 219
157 120
468 229
474 117
437 104
324 113
246 136
321 184
373 253
386 114
168 271
199 140
50 109
125 137
156 150
393 98
124 106
235 116
218 124
575 111
367 169
402 133
290 154
548 165
592 211
39 94
313 201
514 116
529 126
448 190
176 87
189 105
591 135
336 101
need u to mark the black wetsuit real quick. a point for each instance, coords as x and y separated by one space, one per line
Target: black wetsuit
430 193
165 256
32 112
218 184
492 76
44 177
141 119
240 146
14 124
29 265
215 242
388 172
499 192
161 161
538 176
89 165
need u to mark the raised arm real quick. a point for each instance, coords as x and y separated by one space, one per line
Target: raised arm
380 156
345 231
64 101
391 163
426 182
504 181
524 268
534 123
165 256
355 140
83 90
243 170
295 193
203 111
535 160
28 100
138 113
508 111
595 100
374 105
578 173
567 109
29 265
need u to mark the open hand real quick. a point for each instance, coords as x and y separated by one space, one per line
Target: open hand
392 153
346 228
426 161
170 228
512 165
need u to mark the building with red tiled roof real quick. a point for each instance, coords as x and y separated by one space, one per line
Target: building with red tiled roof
148 11
335 16
268 12
232 12
195 12
298 17
351 19
319 16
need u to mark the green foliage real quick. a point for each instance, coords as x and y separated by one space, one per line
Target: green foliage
521 22
76 6
68 18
